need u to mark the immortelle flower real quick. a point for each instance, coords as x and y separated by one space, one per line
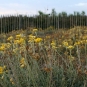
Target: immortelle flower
54 47
38 40
2 48
1 70
65 43
35 30
53 44
8 45
18 36
10 38
22 62
31 38
77 43
71 58
12 81
20 41
70 47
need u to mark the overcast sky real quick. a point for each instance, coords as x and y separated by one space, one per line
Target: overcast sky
33 6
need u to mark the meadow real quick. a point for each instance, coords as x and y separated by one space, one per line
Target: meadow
49 58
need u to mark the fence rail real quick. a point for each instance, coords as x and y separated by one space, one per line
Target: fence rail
16 22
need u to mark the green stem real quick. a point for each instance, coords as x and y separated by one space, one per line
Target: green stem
78 54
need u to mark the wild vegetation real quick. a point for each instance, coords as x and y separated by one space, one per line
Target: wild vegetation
54 59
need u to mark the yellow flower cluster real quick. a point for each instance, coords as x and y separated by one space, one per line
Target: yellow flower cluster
15 50
20 41
4 46
2 69
31 38
38 40
11 80
53 44
22 62
18 36
10 38
65 44
77 43
35 30
71 58
70 47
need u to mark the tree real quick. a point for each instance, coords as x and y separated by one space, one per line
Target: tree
83 13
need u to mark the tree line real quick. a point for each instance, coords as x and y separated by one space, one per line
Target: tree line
43 21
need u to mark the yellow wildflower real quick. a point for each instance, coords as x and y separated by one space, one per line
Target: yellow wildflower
18 36
32 37
53 44
15 50
20 41
65 43
1 70
10 38
47 37
54 47
77 43
2 48
16 41
35 30
71 58
8 45
23 65
70 47
22 62
11 80
38 40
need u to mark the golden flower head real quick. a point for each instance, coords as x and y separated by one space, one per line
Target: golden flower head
53 43
10 38
32 36
77 43
12 81
70 47
38 40
71 58
1 70
18 36
20 41
3 47
22 62
35 30
65 43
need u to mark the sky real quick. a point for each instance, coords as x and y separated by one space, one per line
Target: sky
31 7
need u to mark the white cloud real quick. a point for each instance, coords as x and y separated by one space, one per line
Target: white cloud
81 4
13 5
4 11
15 8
